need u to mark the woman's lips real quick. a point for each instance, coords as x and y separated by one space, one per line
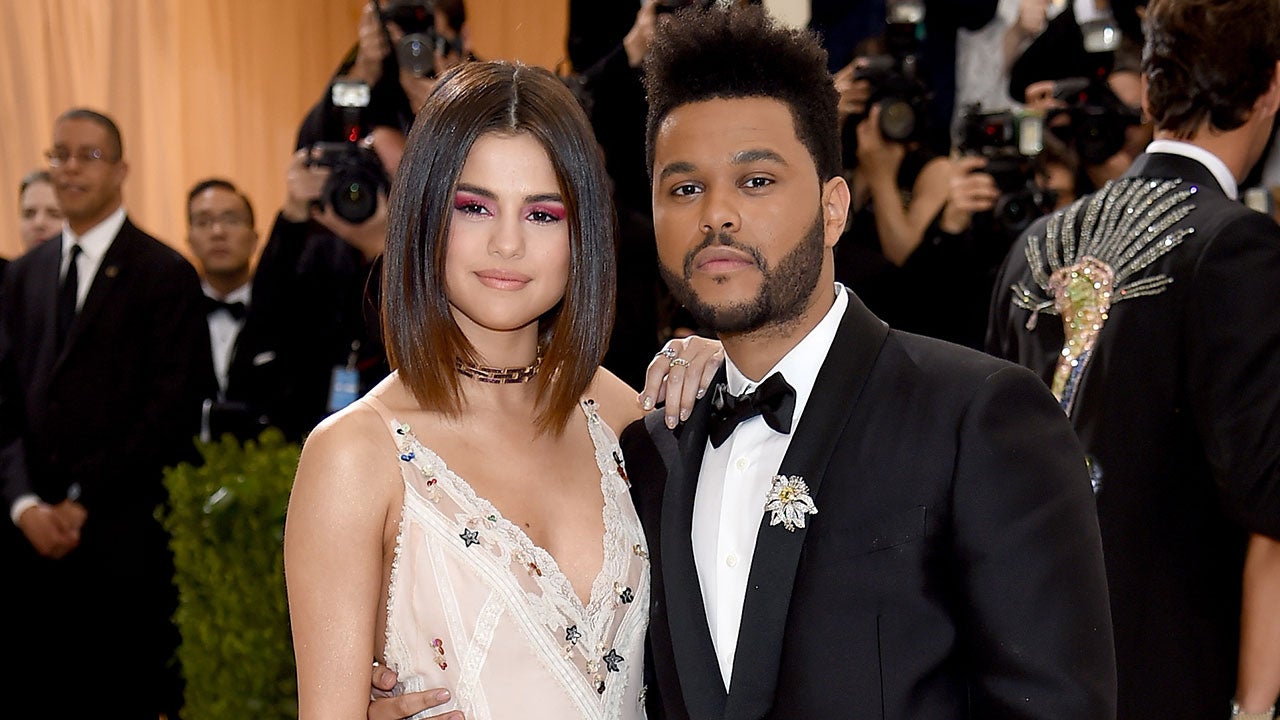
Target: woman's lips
503 279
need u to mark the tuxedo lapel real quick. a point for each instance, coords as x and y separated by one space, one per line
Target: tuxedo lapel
836 391
113 266
695 656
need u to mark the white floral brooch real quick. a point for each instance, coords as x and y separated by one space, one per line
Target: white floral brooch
789 502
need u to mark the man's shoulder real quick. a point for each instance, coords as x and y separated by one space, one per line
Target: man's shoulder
943 359
147 247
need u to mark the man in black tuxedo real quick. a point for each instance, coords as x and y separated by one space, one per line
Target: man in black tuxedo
897 527
1150 308
104 359
855 522
267 373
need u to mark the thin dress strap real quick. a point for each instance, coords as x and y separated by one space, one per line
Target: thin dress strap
383 411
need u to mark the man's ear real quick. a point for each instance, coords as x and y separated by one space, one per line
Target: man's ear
835 209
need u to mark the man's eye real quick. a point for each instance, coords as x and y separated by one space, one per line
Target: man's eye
758 182
685 189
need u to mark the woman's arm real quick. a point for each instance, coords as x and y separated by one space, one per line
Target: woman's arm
333 552
901 228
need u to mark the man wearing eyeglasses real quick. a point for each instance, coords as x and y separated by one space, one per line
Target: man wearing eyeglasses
104 360
266 374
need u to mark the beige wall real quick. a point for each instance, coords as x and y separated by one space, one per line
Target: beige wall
199 87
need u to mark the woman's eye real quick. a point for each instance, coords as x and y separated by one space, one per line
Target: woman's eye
470 208
542 217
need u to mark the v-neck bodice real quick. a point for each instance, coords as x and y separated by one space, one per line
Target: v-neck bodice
474 605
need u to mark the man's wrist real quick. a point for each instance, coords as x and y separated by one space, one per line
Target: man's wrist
21 505
1238 713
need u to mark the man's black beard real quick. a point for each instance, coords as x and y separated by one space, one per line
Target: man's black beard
784 294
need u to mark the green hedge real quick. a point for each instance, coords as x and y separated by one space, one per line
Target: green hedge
226 523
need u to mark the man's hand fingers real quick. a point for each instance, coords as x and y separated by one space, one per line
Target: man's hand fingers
409 704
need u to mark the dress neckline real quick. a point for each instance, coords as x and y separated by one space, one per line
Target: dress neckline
602 585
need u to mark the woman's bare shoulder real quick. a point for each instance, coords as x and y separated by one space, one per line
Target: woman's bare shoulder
616 400
349 447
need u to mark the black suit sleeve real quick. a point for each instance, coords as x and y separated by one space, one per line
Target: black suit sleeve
1035 608
1232 344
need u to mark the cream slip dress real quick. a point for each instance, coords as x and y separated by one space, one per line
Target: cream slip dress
475 606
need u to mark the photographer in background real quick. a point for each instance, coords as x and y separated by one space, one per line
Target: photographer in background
845 25
326 245
1007 175
402 47
898 183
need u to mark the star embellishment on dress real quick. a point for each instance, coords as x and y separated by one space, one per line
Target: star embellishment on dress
613 661
470 537
789 502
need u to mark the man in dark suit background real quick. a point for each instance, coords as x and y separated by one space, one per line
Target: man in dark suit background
1150 307
953 567
268 374
104 359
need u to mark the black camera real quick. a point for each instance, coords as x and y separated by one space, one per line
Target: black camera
1010 141
1097 118
896 78
356 173
416 50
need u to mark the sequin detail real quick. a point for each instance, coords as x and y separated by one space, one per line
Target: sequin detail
1080 273
437 647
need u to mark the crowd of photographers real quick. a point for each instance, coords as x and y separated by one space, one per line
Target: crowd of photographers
962 122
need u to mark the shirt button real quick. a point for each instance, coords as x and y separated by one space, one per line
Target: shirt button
741 464
731 560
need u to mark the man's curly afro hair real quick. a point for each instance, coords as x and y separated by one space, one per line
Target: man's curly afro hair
740 52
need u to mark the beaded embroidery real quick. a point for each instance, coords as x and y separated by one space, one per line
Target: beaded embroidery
1080 274
590 630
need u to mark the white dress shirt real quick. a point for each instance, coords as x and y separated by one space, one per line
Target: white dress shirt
1220 171
733 481
223 331
94 244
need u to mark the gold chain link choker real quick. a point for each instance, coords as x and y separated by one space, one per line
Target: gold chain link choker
499 376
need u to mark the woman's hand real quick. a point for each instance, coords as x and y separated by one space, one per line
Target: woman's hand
679 375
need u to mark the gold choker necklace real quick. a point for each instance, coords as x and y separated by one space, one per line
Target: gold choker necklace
499 376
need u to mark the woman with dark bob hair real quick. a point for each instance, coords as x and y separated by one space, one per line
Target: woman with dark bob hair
468 523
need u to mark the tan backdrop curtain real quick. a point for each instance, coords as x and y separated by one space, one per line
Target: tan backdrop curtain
199 87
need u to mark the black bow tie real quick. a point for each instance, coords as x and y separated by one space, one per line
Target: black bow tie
774 400
213 305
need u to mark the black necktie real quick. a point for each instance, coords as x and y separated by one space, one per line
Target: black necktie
67 296
774 400
213 305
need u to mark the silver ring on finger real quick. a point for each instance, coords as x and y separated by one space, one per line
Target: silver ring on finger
679 362
668 352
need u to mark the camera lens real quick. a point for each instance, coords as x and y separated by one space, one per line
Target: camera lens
354 201
897 119
415 54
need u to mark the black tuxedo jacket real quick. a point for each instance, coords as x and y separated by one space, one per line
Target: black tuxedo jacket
1177 410
279 372
953 570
